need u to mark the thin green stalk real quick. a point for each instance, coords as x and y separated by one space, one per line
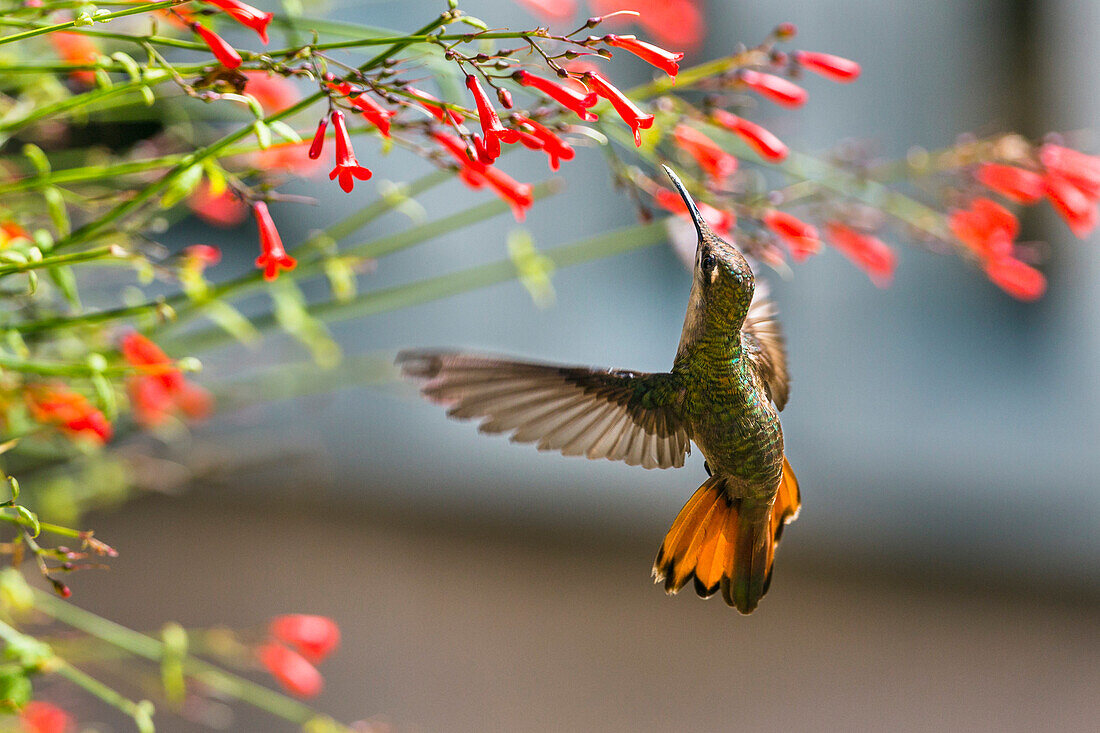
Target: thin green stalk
366 251
140 645
141 712
98 253
425 291
72 24
70 369
83 100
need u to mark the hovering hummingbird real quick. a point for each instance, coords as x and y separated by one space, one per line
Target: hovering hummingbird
725 390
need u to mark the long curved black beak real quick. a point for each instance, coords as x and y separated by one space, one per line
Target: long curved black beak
700 223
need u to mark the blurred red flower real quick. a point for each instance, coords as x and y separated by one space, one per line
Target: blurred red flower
829 66
76 48
767 145
801 238
779 90
1016 184
290 669
56 404
43 717
315 637
869 253
161 388
717 163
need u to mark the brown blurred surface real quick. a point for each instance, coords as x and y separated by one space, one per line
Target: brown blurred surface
457 627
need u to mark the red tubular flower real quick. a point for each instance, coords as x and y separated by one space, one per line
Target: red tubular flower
718 164
720 222
347 167
628 111
1080 169
1072 204
1016 278
828 66
58 405
76 48
987 228
495 133
779 90
435 107
664 60
869 253
476 174
222 51
220 210
315 637
545 139
767 145
517 195
566 97
801 238
246 15
375 113
291 670
203 254
42 717
1016 184
318 143
161 388
272 255
274 93
678 23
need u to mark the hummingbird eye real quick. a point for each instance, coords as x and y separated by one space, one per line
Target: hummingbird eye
708 262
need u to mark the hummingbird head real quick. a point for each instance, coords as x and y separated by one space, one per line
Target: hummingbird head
723 283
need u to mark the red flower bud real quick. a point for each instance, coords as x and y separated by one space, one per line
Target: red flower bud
1016 278
504 97
347 167
42 717
987 228
786 31
1080 169
766 145
664 60
566 97
246 15
828 66
776 88
720 222
1072 204
272 255
1016 184
627 110
869 253
313 636
717 163
801 238
491 127
222 51
291 670
318 143
203 254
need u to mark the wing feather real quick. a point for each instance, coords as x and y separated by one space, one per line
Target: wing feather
618 415
762 338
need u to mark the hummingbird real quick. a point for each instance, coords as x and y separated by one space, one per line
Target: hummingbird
724 392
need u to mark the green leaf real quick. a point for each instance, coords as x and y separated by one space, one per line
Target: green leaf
59 214
263 134
15 594
15 689
285 131
30 517
171 663
534 269
182 186
231 321
65 281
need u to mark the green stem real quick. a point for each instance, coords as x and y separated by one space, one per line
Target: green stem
141 712
98 253
42 30
425 291
140 645
70 369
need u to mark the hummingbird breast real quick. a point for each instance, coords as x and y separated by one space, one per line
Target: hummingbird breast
736 425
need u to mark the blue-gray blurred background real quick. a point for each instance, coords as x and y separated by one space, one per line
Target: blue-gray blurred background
944 573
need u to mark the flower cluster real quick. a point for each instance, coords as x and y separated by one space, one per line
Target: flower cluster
159 389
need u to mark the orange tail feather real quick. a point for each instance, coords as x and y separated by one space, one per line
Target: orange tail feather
726 542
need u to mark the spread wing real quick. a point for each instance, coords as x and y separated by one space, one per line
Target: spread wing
762 338
618 415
